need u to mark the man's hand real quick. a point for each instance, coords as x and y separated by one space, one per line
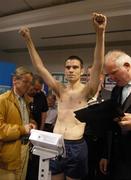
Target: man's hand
33 126
99 21
125 122
103 164
28 128
25 32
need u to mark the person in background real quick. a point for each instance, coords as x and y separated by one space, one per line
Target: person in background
51 113
102 93
70 97
39 106
118 67
15 126
95 143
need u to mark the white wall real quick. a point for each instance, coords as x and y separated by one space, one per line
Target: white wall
54 60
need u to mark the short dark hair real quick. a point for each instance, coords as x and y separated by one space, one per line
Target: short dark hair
77 58
52 95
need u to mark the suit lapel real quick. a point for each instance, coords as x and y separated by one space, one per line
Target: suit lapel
14 100
117 94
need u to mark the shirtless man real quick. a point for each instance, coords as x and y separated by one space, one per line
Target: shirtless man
70 97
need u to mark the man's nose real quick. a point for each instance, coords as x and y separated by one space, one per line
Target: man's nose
71 69
112 77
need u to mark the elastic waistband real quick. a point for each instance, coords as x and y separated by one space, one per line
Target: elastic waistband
74 141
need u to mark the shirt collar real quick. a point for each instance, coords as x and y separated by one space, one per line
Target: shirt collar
17 95
129 83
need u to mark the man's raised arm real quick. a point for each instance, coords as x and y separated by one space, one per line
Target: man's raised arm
99 21
37 61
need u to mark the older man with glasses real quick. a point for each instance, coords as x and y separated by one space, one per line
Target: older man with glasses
118 67
15 126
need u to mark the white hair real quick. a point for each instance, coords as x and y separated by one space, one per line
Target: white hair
124 58
118 57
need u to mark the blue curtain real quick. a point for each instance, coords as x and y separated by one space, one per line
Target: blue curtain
6 70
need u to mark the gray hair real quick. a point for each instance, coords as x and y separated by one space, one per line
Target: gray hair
119 57
21 71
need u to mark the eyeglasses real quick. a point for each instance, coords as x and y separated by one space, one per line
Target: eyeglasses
26 81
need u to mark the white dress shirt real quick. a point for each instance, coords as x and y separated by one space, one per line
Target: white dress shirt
126 92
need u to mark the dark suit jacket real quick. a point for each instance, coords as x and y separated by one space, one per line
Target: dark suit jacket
121 141
99 117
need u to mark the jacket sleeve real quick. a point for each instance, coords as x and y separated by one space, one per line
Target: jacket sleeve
9 131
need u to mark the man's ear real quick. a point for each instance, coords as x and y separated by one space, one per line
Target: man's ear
127 66
82 71
13 80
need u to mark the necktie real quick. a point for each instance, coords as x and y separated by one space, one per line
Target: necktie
23 110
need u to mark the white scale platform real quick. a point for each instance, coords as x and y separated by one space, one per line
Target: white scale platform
48 146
